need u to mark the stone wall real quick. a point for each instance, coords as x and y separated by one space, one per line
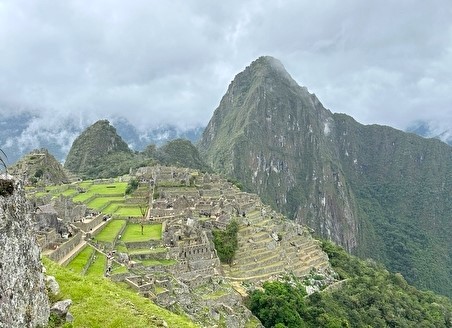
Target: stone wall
87 225
23 296
65 248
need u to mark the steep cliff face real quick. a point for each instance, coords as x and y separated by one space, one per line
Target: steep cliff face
276 138
379 192
23 296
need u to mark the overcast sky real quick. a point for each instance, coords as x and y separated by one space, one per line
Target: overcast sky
170 62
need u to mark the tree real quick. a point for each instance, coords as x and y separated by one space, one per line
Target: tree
226 242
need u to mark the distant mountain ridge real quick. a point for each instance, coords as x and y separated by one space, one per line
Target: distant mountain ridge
100 152
431 130
18 135
379 192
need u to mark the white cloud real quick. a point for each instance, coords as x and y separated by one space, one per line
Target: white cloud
160 62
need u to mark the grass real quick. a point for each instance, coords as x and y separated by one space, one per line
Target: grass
83 197
109 189
98 302
97 268
78 263
126 211
132 233
116 268
111 230
147 250
99 203
110 209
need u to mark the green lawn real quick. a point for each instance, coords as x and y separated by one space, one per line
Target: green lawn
99 302
147 250
111 230
132 233
111 209
109 189
116 269
82 197
69 192
99 203
78 263
97 268
126 211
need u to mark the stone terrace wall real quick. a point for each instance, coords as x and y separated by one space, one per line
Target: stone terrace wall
62 250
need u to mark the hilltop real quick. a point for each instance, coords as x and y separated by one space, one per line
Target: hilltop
39 167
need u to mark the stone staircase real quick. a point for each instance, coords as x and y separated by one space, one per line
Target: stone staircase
261 254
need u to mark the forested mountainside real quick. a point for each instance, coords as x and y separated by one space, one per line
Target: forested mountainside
379 192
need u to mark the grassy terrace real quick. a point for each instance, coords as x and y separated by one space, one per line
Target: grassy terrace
111 230
78 263
99 203
99 302
97 268
126 211
132 233
158 262
146 250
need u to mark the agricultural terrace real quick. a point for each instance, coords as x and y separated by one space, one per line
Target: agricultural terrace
111 231
102 196
132 233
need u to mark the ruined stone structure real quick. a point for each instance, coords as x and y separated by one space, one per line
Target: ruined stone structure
186 272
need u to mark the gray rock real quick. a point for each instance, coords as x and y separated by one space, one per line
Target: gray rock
123 258
69 317
61 308
53 285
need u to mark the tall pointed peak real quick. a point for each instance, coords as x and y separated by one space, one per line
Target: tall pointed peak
269 67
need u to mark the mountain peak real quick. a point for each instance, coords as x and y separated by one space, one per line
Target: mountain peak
91 148
269 67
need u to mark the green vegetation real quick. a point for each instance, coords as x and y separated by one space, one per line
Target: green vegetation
78 263
153 262
226 242
182 153
131 186
279 304
110 231
369 297
99 203
132 233
126 211
97 267
98 302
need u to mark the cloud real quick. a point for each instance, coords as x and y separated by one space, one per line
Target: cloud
161 62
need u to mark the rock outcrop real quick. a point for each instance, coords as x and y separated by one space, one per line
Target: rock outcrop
23 296
39 167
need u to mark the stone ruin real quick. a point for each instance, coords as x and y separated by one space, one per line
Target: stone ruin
190 205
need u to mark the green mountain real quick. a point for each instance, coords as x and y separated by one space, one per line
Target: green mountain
39 167
99 152
377 191
178 152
